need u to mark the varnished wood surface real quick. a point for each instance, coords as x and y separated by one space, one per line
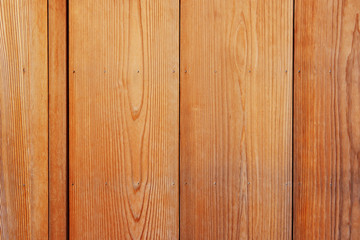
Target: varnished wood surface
236 119
57 119
124 119
327 120
23 120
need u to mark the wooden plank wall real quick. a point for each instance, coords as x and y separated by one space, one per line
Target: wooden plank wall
57 119
327 120
23 120
124 119
236 119
242 107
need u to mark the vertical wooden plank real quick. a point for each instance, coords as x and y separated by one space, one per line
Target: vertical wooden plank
23 120
327 120
124 119
236 119
57 120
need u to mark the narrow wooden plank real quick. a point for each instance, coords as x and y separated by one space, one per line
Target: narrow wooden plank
23 120
124 119
57 120
236 119
327 120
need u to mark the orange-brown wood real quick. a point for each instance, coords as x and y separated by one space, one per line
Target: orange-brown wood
327 120
236 119
57 120
124 119
23 120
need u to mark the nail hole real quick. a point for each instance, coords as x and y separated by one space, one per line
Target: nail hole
73 71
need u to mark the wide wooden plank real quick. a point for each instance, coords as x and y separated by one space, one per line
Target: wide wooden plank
23 120
327 120
57 119
236 119
124 119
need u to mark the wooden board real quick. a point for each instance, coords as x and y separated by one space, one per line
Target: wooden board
23 120
124 119
327 120
236 119
57 120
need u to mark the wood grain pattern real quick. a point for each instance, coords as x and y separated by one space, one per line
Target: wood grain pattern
236 119
57 119
327 120
23 120
124 119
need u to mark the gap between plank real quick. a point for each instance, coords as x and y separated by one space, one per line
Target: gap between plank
292 132
67 125
179 69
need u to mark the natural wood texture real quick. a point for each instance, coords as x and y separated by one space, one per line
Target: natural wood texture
327 120
57 120
124 119
23 120
236 119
